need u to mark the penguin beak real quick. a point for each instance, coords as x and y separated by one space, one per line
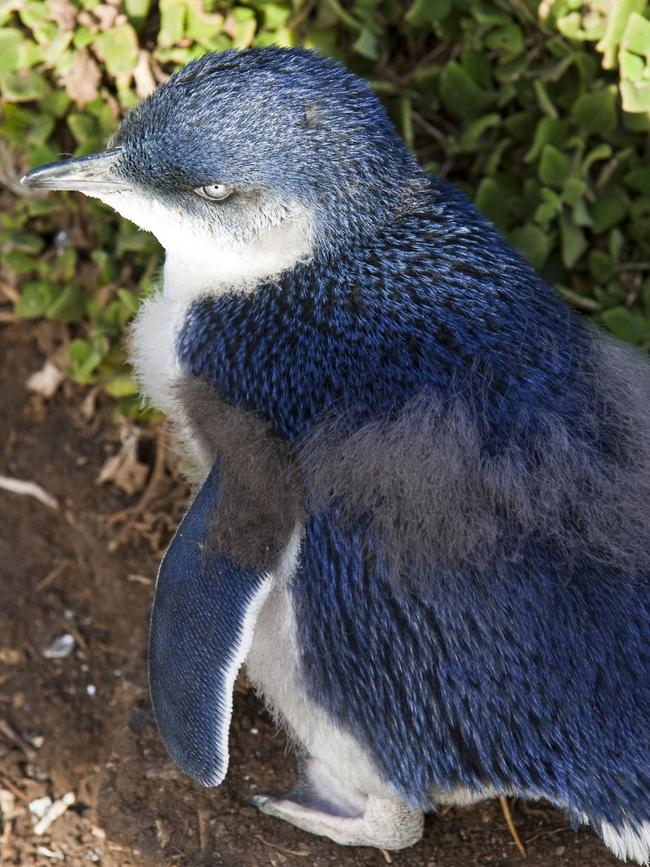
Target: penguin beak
92 174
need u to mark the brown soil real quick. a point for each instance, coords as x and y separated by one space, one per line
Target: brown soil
132 806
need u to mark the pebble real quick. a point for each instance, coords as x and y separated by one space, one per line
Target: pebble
60 647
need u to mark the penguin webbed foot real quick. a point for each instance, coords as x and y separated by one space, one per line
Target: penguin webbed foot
320 805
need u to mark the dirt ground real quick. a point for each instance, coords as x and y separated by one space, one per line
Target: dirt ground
83 723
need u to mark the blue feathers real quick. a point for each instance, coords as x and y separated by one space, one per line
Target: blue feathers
288 122
509 681
434 302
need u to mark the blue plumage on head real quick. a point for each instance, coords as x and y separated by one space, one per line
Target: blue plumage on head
286 121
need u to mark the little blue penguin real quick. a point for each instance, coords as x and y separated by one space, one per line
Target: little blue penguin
423 482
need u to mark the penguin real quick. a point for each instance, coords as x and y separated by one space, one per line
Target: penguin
422 513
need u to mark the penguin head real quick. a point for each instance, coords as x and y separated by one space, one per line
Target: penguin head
267 146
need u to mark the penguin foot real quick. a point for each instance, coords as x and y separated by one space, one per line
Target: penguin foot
346 816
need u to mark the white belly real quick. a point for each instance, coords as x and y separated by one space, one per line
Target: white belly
274 668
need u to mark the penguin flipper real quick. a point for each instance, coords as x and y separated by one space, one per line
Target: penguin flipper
204 611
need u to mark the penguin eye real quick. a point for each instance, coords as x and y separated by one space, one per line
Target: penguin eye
214 192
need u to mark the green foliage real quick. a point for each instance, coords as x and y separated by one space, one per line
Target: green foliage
540 111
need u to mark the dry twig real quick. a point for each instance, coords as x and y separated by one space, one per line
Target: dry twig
6 783
281 848
28 489
155 480
511 825
52 575
15 738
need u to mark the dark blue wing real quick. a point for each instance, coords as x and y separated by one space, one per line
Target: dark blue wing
202 622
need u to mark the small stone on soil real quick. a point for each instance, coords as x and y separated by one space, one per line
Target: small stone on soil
60 647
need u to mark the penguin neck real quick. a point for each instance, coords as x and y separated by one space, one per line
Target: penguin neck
192 271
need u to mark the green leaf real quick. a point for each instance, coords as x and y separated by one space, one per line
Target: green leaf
549 130
625 325
10 40
63 268
588 27
203 26
474 131
25 86
284 37
36 298
108 270
85 357
53 54
35 16
533 243
122 385
601 265
580 214
494 202
82 38
21 263
637 34
544 100
460 93
477 65
639 122
596 111
26 242
600 152
484 14
119 48
172 22
276 16
56 103
245 27
645 294
619 14
137 10
631 66
507 40
130 301
609 209
546 212
366 44
406 117
573 190
553 167
573 241
635 96
425 12
639 179
616 244
82 127
68 306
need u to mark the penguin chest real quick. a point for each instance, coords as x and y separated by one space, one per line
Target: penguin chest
152 344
